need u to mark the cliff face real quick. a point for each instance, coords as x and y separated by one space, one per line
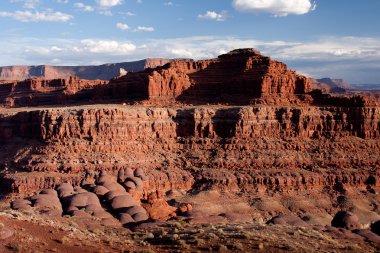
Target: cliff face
102 72
237 140
212 123
237 77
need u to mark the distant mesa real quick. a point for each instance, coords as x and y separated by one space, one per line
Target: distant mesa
330 85
102 72
367 87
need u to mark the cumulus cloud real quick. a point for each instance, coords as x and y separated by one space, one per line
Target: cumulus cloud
29 4
84 7
122 26
212 15
276 7
144 29
36 16
108 3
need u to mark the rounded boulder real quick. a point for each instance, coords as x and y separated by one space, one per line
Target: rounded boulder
347 220
122 201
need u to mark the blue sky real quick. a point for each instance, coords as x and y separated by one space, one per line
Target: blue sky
322 38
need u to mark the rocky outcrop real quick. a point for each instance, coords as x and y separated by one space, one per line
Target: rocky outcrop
346 220
37 91
236 77
102 72
105 198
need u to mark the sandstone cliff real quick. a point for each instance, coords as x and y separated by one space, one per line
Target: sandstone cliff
234 139
236 77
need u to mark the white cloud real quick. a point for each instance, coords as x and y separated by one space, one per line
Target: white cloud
62 1
106 46
275 7
84 7
168 3
353 58
29 4
122 26
144 29
56 49
44 16
128 14
105 12
108 3
212 15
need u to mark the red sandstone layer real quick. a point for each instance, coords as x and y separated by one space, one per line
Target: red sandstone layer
234 140
236 77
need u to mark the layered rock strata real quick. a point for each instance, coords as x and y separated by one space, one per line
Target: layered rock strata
236 77
237 141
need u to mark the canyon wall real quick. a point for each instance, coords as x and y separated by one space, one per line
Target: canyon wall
240 122
215 144
248 122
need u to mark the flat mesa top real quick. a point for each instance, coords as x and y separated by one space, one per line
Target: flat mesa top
242 52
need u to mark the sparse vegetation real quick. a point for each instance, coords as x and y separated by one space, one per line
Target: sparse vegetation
199 242
237 246
221 248
183 244
344 203
212 236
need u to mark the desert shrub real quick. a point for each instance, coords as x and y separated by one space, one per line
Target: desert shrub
344 203
238 246
199 242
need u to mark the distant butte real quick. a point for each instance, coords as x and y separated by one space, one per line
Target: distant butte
235 77
102 72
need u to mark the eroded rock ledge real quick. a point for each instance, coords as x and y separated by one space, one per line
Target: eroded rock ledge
240 140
